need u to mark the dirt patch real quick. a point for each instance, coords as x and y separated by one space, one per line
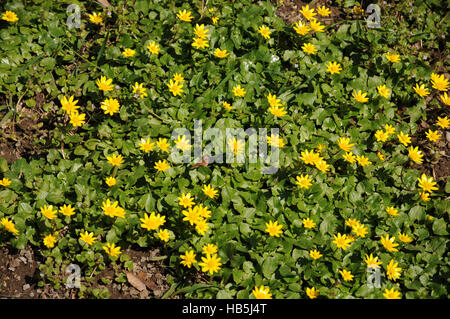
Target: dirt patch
20 275
20 134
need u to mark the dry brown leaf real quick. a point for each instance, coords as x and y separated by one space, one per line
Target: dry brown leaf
135 281
104 3
148 282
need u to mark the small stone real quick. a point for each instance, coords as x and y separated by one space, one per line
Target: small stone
26 287
31 294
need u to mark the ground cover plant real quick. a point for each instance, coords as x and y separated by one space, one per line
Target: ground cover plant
356 207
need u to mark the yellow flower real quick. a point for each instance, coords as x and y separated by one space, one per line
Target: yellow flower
341 241
88 238
360 97
421 90
308 223
178 77
262 292
309 48
77 119
9 16
389 129
381 136
391 294
139 89
109 209
182 143
445 98
443 122
164 235
277 111
110 106
146 145
307 13
9 225
323 11
67 210
404 238
48 212
316 26
392 271
221 53
115 160
200 31
383 91
273 101
404 139
372 262
392 57
360 230
424 196
237 146
175 88
69 105
334 67
303 181
152 222
161 166
210 249
391 210
322 166
310 157
185 15
275 141
349 157
119 212
433 136
209 191
112 249
186 200
427 183
214 20
415 154
104 84
210 263
201 226
188 258
227 105
358 10
96 17
439 82
344 144
238 91
163 145
274 229
388 243
265 32
315 254
153 47
352 222
5 182
49 241
301 28
203 212
312 292
346 275
362 160
191 215
200 43
128 53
